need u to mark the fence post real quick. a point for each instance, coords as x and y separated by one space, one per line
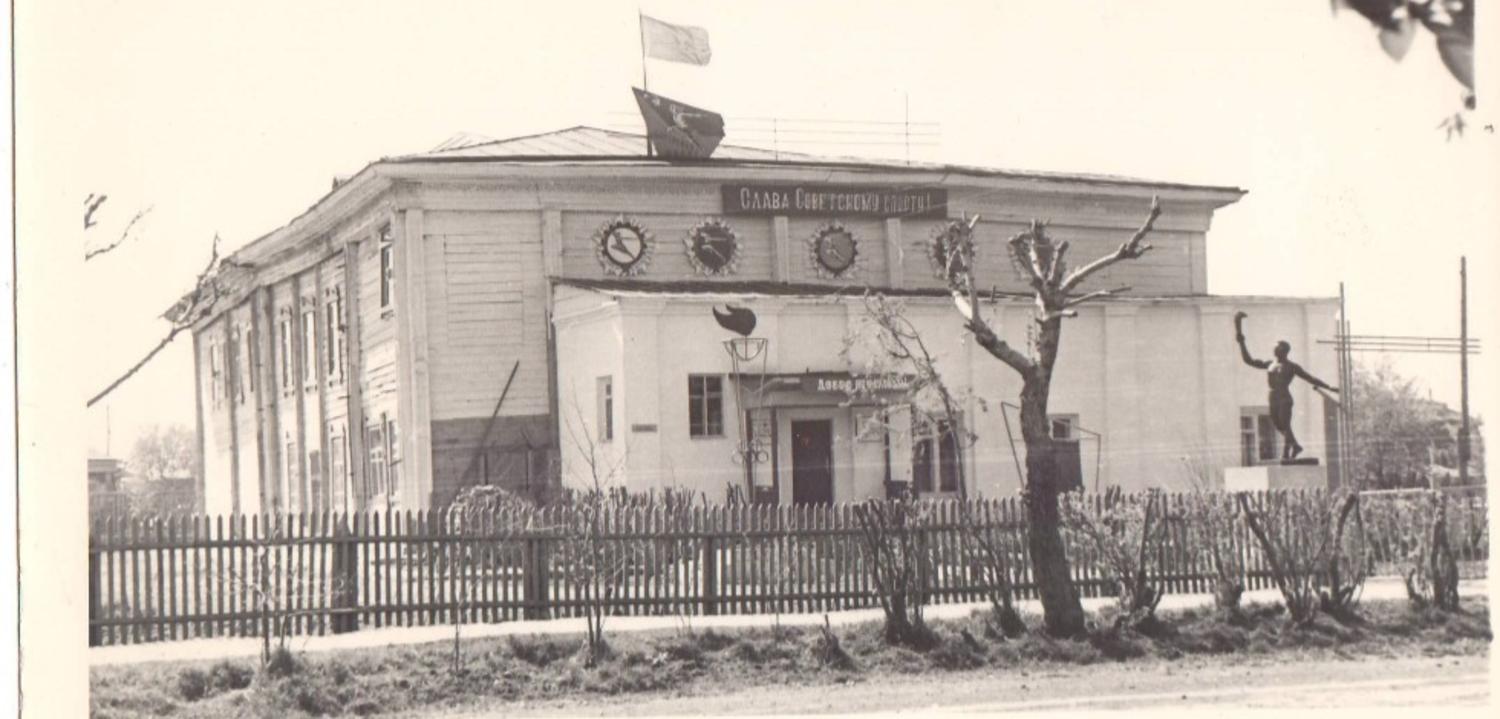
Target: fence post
345 578
710 565
534 577
95 613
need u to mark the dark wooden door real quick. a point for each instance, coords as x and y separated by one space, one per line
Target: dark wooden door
812 461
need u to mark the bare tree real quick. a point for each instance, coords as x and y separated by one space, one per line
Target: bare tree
1055 292
898 347
597 562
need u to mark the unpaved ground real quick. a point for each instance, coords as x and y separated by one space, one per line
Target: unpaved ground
1460 685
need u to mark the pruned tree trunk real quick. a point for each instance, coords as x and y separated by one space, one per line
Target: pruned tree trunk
1062 611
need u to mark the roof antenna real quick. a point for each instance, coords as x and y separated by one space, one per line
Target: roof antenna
906 124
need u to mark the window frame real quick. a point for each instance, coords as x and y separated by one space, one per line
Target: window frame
216 372
701 401
309 363
936 456
284 323
604 391
1260 443
386 257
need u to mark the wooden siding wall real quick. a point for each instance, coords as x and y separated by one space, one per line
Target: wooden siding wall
259 445
487 312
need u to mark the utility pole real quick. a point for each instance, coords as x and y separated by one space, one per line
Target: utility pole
1463 370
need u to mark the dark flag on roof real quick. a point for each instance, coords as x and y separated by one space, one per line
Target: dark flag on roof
677 130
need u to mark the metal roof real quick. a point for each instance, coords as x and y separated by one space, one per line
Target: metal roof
584 143
577 142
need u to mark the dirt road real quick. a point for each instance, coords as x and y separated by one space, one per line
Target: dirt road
1459 684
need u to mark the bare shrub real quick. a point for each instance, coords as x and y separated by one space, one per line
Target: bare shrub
898 560
1431 568
1125 532
1302 536
1212 519
996 552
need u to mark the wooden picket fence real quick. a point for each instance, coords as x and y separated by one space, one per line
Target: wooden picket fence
193 577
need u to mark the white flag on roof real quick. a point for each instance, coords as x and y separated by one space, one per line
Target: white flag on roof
674 43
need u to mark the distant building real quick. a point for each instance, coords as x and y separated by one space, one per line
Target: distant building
361 356
1442 451
106 495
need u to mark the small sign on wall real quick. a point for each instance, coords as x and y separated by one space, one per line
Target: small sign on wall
869 425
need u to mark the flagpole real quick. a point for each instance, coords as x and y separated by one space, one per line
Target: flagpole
640 23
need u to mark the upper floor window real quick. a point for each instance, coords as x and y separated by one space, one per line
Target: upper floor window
285 350
705 406
606 395
232 362
387 266
309 345
216 372
334 309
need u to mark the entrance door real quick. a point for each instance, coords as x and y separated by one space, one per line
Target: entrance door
812 461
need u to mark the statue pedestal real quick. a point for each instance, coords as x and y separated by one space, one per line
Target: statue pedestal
1275 476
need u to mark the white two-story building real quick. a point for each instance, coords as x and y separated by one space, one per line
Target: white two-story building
515 311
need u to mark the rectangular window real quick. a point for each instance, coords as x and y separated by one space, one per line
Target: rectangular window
1259 441
606 395
375 444
1063 426
291 474
309 346
393 456
286 352
705 406
935 457
251 365
387 266
333 335
338 480
216 372
232 361
315 479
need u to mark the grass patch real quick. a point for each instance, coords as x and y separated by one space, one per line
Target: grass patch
497 671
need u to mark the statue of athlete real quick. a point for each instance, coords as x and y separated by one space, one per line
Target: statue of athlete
1279 376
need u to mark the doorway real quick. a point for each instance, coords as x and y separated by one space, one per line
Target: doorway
812 461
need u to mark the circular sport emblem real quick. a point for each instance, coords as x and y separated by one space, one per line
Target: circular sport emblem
834 250
940 250
713 248
623 246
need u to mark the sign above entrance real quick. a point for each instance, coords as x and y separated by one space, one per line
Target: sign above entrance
834 200
855 384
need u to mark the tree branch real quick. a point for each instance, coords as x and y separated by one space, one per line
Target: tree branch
125 235
196 302
1128 250
1096 294
999 348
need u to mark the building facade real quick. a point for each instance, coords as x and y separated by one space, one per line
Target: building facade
514 311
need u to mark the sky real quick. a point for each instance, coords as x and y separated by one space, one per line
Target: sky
230 119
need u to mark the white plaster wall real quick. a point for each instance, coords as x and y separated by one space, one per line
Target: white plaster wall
1160 380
